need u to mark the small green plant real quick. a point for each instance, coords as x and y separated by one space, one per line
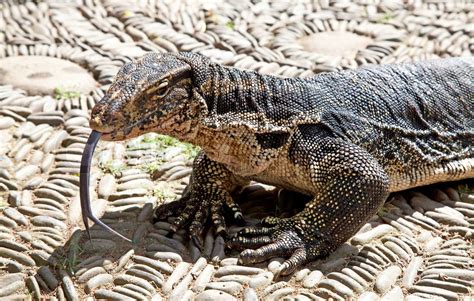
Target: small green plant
163 141
383 211
163 194
152 166
230 24
64 94
464 188
190 150
68 263
68 257
160 140
387 17
113 167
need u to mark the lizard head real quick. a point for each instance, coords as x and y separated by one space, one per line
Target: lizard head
152 93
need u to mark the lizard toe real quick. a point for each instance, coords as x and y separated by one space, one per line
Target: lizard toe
253 231
241 242
236 212
297 259
185 216
169 209
218 219
284 244
198 221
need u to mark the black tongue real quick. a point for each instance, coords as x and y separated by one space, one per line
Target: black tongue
84 186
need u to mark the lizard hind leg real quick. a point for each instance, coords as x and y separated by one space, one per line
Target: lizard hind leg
351 188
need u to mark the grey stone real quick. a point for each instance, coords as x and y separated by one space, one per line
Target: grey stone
123 279
237 270
370 235
6 122
11 288
387 278
281 293
18 256
10 278
13 245
42 75
156 264
48 277
412 271
99 245
262 280
211 295
312 279
123 260
151 277
229 287
106 186
33 287
337 287
111 295
26 172
250 295
394 294
16 216
203 278
48 221
138 183
89 273
97 281
369 296
128 292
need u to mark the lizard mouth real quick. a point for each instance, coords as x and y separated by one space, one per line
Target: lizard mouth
130 131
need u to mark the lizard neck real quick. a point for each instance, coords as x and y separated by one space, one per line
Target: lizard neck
260 102
249 117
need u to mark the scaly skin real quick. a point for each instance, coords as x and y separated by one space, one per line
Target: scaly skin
346 138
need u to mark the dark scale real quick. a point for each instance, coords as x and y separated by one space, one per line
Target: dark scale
345 139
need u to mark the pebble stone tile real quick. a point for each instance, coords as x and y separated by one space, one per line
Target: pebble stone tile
57 59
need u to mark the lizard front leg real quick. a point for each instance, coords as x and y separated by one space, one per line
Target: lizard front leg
350 186
209 189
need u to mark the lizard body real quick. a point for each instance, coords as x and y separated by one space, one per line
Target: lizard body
346 138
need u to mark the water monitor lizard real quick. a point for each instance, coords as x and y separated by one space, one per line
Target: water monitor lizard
346 138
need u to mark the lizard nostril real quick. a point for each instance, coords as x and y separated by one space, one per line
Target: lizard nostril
95 123
99 115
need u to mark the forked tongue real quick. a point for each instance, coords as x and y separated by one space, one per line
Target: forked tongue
84 186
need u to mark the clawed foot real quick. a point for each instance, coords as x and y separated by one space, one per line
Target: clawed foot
278 238
193 209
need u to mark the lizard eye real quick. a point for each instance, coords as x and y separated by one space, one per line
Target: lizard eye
162 89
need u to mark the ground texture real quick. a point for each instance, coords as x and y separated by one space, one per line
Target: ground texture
58 57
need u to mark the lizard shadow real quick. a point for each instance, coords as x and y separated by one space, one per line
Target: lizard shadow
83 259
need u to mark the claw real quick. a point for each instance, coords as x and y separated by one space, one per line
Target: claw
239 219
297 259
84 187
272 242
236 212
197 242
170 233
222 232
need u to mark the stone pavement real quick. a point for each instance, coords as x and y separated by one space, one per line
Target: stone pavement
57 58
